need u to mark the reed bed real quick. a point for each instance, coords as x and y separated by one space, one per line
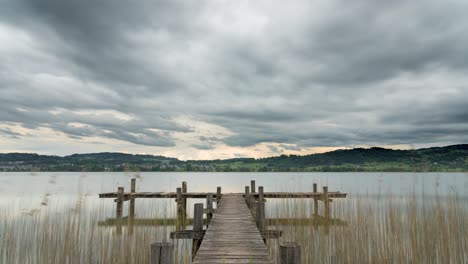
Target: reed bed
72 235
379 229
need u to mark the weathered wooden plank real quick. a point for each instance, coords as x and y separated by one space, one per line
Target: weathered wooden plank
232 236
317 195
129 195
187 234
269 221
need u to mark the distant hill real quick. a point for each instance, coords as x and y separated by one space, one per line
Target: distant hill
449 158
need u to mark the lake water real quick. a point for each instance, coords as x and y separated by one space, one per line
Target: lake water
22 192
59 216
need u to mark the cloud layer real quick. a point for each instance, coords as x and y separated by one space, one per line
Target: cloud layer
230 76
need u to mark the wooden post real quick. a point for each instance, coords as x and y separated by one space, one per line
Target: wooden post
197 227
218 195
252 186
327 209
120 200
131 208
290 253
198 217
315 203
209 207
184 203
247 196
162 253
260 210
326 202
261 196
180 215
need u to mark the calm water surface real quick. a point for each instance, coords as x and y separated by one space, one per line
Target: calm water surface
22 192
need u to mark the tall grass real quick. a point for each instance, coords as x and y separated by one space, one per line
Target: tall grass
64 235
380 229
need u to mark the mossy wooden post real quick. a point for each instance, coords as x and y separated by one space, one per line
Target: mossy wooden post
197 227
184 203
180 214
252 186
218 194
162 253
290 253
131 208
209 207
247 196
315 203
260 210
118 211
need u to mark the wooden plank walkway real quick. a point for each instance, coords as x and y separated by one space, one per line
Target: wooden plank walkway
232 236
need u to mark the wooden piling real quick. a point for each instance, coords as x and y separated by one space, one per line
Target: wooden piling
315 203
180 213
209 207
197 226
120 200
326 201
162 253
260 217
252 186
290 253
131 208
198 217
184 202
218 194
247 195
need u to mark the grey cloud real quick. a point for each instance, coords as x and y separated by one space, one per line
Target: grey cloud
10 133
291 147
203 146
274 149
203 138
316 76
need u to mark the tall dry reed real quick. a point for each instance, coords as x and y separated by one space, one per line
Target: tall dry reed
379 229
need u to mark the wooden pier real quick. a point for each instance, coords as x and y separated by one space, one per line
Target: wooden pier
236 231
232 236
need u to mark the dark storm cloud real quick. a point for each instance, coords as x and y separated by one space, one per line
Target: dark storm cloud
321 73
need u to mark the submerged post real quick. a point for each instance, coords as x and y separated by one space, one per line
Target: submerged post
197 227
162 253
315 203
118 211
218 194
260 218
209 207
290 253
252 186
131 208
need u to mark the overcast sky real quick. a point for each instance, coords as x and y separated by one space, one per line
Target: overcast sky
222 79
